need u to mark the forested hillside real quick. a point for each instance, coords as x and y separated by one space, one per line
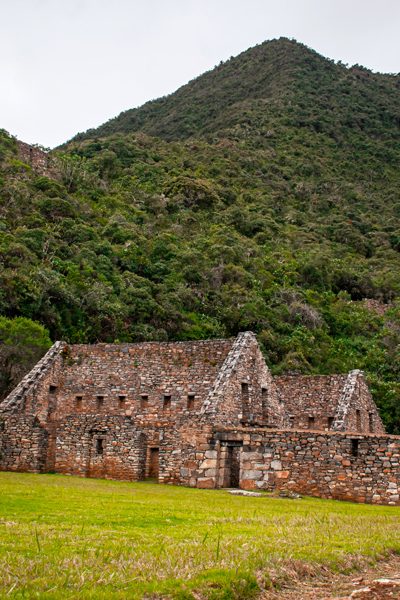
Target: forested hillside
264 195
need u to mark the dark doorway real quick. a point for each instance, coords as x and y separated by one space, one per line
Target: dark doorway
233 464
154 463
99 446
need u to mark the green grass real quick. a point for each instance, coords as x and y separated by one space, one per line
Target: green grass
64 537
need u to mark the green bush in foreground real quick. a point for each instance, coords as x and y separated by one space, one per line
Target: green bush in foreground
77 538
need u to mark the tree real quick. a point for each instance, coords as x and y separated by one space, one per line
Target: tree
22 343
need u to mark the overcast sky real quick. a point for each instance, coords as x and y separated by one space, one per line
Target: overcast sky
67 65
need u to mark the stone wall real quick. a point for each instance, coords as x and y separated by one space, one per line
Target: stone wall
151 381
360 468
151 394
114 447
23 444
38 159
183 449
35 394
105 447
244 391
356 409
310 401
329 402
206 414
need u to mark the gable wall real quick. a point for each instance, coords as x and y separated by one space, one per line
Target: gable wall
359 400
306 396
31 396
228 404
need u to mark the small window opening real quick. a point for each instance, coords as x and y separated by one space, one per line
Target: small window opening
78 402
311 422
144 400
190 401
52 389
121 400
99 446
264 403
330 422
371 422
354 447
245 401
291 421
100 401
358 420
167 401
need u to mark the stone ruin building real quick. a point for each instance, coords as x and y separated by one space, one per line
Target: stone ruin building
205 414
39 160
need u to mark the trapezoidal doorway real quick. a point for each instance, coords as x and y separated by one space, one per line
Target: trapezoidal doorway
230 459
234 466
154 463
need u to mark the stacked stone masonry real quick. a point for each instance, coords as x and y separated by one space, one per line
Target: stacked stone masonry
39 160
205 414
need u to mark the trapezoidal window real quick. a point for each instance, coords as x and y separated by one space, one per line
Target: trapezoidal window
144 400
311 422
190 401
121 401
330 422
354 447
245 400
52 389
358 420
264 403
99 401
167 401
78 402
99 446
371 422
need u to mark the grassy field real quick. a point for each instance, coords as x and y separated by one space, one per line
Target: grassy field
64 537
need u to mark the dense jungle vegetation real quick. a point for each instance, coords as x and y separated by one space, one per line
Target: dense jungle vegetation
262 196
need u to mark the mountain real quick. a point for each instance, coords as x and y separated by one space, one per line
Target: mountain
262 195
256 86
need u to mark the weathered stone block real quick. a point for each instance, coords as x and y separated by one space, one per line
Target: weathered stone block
209 463
211 454
248 484
276 465
251 474
205 483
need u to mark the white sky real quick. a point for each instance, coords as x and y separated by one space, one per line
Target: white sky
67 65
